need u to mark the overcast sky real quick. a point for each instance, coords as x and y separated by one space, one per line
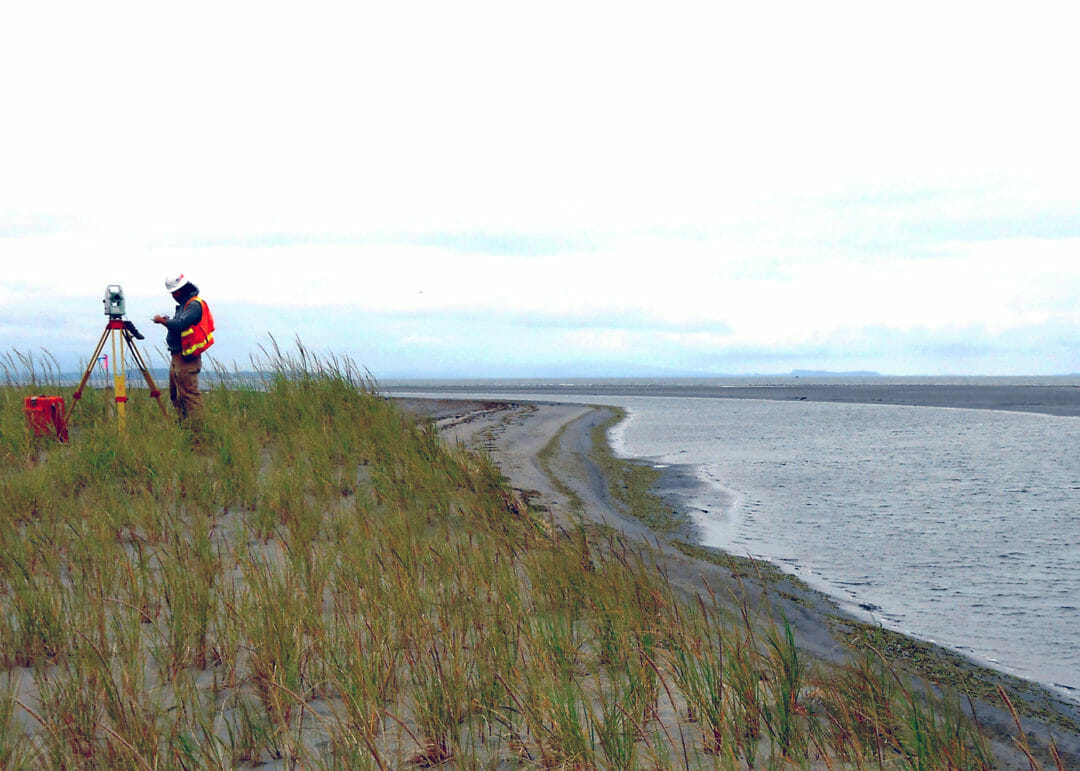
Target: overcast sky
463 189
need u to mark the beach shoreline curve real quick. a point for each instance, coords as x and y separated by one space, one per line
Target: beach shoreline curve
547 452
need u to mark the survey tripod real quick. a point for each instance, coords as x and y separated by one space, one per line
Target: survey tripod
123 335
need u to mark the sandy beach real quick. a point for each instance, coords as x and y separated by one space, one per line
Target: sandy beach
515 433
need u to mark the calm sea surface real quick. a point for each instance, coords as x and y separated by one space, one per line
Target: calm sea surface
959 526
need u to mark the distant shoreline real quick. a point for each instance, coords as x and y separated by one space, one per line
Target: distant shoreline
1057 400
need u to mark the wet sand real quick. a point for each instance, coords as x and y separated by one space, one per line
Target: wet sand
515 433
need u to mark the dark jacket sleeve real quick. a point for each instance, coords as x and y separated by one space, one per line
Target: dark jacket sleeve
185 317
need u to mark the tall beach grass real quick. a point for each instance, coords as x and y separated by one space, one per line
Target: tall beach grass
312 578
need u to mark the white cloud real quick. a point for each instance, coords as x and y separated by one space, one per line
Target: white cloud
757 176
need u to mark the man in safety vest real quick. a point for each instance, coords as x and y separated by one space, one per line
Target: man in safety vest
190 333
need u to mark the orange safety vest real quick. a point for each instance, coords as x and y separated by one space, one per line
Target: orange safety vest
200 336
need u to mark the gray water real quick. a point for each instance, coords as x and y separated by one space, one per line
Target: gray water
957 526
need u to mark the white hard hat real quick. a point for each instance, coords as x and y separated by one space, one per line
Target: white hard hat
172 284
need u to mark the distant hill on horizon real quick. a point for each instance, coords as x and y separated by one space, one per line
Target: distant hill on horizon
829 373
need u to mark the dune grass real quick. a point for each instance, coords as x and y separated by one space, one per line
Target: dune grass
309 577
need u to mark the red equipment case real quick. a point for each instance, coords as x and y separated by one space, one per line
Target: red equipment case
45 415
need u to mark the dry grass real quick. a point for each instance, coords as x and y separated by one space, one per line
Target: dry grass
312 578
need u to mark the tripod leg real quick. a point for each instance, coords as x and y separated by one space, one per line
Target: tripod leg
119 381
86 375
141 364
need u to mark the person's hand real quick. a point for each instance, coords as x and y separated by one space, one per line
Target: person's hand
159 319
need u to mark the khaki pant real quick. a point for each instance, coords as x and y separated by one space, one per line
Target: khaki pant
184 385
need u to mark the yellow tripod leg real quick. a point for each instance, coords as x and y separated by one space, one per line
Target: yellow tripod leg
119 382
